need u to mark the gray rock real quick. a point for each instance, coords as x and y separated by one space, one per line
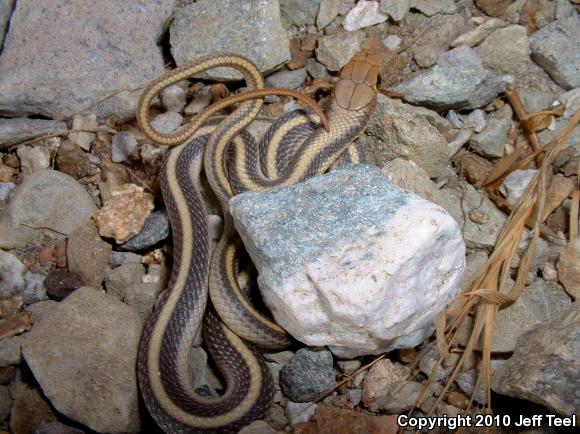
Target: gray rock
432 7
142 297
475 36
492 139
556 48
11 351
33 158
258 427
117 259
408 176
327 11
507 50
17 130
68 62
123 145
458 81
173 98
88 336
57 428
287 79
299 12
167 122
196 105
309 373
210 26
426 55
317 70
88 254
281 357
119 279
428 358
335 51
564 9
300 411
541 302
545 365
460 201
155 229
5 402
5 189
88 123
17 281
46 199
536 100
5 13
398 130
474 262
396 9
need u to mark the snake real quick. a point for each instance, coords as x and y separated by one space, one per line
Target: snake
203 288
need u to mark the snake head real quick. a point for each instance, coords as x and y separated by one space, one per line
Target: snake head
357 86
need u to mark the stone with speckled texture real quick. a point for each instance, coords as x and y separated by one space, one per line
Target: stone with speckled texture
349 261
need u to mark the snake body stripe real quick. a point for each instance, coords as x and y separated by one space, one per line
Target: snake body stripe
162 364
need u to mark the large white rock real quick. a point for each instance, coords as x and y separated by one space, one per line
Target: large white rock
349 261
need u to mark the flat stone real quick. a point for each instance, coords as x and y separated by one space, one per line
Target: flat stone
88 254
545 365
396 130
17 281
46 199
490 142
124 144
167 122
364 14
426 55
555 48
396 9
210 26
432 7
155 229
506 50
299 12
17 130
334 51
122 277
325 240
475 36
60 283
309 373
88 336
88 123
300 411
458 81
327 11
287 79
68 62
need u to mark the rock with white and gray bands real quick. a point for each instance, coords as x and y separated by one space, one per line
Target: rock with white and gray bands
88 336
155 229
545 365
17 281
173 98
17 130
396 129
458 81
251 28
432 7
541 302
347 260
299 12
5 13
287 79
490 142
69 60
475 36
124 143
336 50
364 14
47 199
396 9
507 50
515 183
555 48
309 373
327 11
167 122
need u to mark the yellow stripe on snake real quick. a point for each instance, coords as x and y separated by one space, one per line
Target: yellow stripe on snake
296 147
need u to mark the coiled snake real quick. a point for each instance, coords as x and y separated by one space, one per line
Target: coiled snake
296 147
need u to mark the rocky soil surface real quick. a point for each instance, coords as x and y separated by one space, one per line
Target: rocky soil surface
85 244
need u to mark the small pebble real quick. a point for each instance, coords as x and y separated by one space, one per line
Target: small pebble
116 259
60 284
167 122
86 123
549 272
5 189
173 98
33 158
392 42
300 411
309 373
123 145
